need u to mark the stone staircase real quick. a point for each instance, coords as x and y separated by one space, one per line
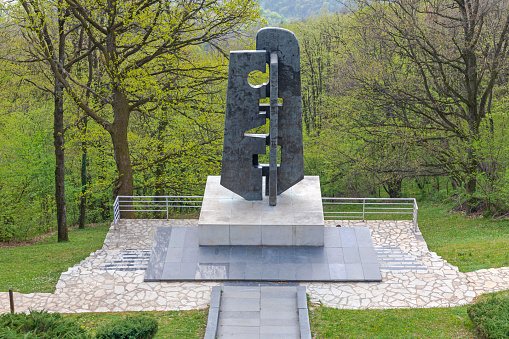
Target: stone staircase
393 258
128 260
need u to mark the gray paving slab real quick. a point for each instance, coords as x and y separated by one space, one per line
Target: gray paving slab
354 272
335 255
368 255
178 236
278 322
280 329
251 322
240 304
273 314
287 272
338 272
351 255
269 270
363 237
332 237
278 336
320 272
176 256
240 315
348 237
371 272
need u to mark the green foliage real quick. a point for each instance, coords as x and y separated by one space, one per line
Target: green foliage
37 268
171 324
26 174
490 316
301 8
40 325
130 327
273 18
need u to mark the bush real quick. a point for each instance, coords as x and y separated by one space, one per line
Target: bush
130 327
490 316
40 325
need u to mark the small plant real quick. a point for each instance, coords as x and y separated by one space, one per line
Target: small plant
130 327
490 316
40 325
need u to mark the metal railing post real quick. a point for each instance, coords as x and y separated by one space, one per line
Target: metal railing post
363 209
166 208
116 213
415 216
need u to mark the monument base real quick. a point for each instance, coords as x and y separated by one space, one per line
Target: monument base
296 220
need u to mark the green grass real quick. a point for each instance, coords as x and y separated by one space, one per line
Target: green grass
394 323
37 268
172 324
469 243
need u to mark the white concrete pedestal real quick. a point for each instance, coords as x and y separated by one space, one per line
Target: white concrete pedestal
296 220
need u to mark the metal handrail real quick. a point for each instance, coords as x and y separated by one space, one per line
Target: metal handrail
369 206
153 203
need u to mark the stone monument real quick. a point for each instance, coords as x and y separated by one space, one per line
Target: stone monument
251 231
235 211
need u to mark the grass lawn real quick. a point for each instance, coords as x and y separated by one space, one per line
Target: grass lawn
37 268
329 322
172 324
469 243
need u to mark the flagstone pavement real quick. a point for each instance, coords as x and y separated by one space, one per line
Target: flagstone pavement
101 283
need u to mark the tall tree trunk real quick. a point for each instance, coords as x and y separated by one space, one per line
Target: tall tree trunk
58 137
84 179
393 187
118 134
471 182
58 140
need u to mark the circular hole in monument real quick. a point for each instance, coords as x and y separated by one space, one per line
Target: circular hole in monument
257 78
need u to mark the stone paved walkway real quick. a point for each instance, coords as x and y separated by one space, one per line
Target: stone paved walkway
88 287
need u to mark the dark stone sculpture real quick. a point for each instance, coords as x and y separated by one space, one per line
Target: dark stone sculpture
241 172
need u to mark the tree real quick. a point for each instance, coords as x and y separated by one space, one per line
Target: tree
147 58
56 32
441 61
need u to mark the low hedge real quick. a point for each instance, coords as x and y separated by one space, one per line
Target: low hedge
40 325
490 316
130 327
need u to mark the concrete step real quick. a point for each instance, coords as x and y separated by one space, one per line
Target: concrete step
129 260
258 310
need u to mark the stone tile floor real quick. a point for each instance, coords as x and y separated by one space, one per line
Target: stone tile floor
348 255
87 287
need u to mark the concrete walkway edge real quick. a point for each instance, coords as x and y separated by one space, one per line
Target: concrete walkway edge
213 319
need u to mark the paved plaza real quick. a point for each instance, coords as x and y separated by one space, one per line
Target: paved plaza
111 279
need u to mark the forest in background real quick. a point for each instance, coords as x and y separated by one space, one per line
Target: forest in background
402 98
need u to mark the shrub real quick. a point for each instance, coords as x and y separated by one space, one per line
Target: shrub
130 327
40 325
490 316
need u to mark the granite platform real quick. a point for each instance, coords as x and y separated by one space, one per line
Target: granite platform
347 255
228 219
